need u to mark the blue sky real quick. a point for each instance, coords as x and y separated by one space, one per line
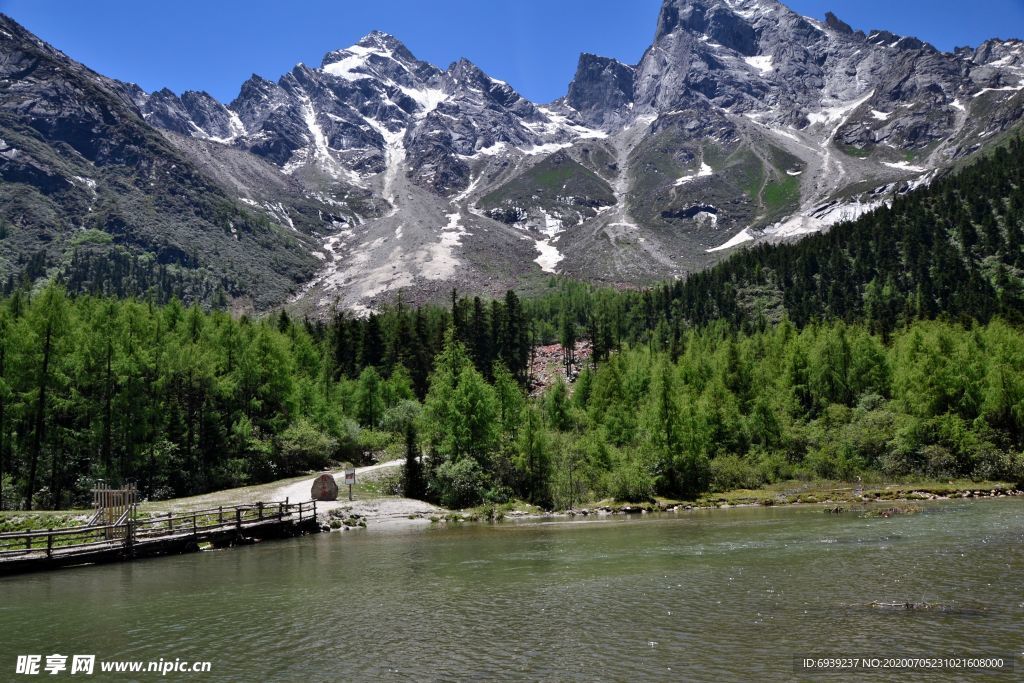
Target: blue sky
214 45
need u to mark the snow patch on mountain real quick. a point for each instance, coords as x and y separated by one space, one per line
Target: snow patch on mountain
786 134
497 149
762 63
838 112
88 182
548 254
441 262
904 166
426 98
1008 88
739 238
394 155
547 148
462 196
821 218
356 57
320 148
557 124
236 128
704 172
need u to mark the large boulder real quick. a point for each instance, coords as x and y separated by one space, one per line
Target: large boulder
324 488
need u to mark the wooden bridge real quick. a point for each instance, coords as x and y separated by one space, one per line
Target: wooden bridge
170 534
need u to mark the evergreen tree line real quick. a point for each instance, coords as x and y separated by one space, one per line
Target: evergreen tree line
183 401
834 401
115 271
733 410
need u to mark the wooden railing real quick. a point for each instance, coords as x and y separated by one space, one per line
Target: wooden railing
128 531
21 542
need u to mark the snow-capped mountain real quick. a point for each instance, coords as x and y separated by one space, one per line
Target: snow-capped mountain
373 118
743 121
369 109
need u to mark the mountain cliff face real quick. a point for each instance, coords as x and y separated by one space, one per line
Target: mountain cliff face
91 192
376 172
762 124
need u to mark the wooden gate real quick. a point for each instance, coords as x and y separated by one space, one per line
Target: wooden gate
114 507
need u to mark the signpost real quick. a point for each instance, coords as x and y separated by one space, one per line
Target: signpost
350 479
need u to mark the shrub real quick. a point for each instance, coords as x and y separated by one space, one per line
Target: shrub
835 461
498 495
392 482
372 441
897 463
230 473
774 466
631 482
992 464
459 484
91 236
8 496
939 461
304 447
733 472
688 476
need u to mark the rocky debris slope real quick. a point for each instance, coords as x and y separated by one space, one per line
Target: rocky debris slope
548 364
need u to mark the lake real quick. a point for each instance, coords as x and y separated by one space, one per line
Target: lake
703 595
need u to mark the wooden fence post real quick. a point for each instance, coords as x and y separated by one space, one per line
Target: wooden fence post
220 514
129 536
49 543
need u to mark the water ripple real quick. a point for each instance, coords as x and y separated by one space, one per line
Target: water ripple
725 595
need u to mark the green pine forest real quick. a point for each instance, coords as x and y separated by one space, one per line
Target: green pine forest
890 346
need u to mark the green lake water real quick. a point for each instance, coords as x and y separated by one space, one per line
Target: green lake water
729 595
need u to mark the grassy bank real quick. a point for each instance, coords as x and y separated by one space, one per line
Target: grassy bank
795 492
826 491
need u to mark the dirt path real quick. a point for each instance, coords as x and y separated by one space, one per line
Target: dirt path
376 510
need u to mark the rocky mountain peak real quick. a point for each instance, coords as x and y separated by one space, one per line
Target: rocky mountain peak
382 41
254 87
727 22
602 89
465 70
999 53
378 55
466 79
837 24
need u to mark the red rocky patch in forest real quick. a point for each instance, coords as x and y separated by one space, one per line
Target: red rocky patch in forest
548 362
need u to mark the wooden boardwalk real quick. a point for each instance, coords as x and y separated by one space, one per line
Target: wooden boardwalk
170 534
